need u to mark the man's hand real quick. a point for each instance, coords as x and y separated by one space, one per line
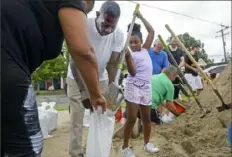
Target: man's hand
138 14
195 70
99 101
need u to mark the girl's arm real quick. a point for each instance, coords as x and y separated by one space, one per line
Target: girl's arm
130 64
151 33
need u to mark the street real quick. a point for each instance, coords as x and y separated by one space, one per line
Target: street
61 100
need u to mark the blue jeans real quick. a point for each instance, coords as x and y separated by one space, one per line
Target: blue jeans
230 135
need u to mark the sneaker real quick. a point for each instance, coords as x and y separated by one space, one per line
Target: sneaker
127 152
149 147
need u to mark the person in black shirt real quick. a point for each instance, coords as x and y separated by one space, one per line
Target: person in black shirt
191 72
178 55
32 32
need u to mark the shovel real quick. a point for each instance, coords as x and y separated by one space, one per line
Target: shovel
114 95
223 106
182 76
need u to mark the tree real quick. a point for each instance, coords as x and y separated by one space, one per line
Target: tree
188 41
51 69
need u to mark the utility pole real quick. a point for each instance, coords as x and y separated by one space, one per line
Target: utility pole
223 39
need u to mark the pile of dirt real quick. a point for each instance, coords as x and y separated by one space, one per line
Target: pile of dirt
189 135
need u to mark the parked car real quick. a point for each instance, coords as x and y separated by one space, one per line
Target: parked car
214 71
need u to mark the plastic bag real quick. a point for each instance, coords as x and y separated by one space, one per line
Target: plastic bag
166 118
43 120
86 119
100 133
53 116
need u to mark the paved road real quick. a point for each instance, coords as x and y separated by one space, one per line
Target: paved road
60 100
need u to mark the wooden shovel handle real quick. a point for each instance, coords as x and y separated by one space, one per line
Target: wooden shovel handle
190 56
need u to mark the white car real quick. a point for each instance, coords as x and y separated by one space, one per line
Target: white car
214 71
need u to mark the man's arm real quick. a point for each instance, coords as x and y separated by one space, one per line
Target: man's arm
79 80
182 62
170 105
115 56
112 66
169 98
186 63
74 26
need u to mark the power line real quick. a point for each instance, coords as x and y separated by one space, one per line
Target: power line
173 12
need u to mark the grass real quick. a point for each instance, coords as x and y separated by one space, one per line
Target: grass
61 107
50 92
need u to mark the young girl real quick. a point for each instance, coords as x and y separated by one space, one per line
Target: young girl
138 86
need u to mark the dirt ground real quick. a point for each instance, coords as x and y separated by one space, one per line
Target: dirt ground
187 136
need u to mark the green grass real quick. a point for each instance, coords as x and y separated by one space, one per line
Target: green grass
52 92
123 104
61 108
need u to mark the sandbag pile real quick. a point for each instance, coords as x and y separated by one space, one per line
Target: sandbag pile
48 118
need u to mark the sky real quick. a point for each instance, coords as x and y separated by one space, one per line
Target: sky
215 11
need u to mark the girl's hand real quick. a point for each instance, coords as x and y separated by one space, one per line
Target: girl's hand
127 52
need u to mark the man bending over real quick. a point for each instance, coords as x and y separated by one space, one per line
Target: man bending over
107 41
163 89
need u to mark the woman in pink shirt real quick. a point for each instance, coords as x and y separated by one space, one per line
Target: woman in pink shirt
138 86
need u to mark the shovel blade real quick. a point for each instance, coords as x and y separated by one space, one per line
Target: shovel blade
223 107
114 97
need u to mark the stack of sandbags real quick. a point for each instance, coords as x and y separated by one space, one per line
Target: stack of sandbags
43 119
48 118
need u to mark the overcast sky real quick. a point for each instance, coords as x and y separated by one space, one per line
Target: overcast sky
215 11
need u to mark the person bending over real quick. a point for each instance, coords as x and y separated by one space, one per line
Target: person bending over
163 89
138 86
108 41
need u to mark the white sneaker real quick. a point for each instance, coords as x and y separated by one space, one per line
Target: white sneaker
127 152
149 147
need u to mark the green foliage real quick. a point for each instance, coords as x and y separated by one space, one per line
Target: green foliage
188 41
53 68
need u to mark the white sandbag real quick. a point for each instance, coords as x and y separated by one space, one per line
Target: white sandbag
166 118
52 116
86 119
100 133
43 120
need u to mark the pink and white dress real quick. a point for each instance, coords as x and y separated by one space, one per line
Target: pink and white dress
138 87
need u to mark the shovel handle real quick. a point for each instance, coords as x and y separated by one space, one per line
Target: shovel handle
189 55
180 73
122 58
193 60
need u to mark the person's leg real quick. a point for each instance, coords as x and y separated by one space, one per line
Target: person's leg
155 120
198 84
76 118
176 89
145 113
21 133
132 111
146 119
191 81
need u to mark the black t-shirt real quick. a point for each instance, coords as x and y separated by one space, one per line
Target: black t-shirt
189 62
177 55
30 30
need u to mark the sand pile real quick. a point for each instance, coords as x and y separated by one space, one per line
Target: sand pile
189 135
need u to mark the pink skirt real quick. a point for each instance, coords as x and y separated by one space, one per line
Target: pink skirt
138 91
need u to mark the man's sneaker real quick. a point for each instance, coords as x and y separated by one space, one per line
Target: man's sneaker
127 152
149 147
